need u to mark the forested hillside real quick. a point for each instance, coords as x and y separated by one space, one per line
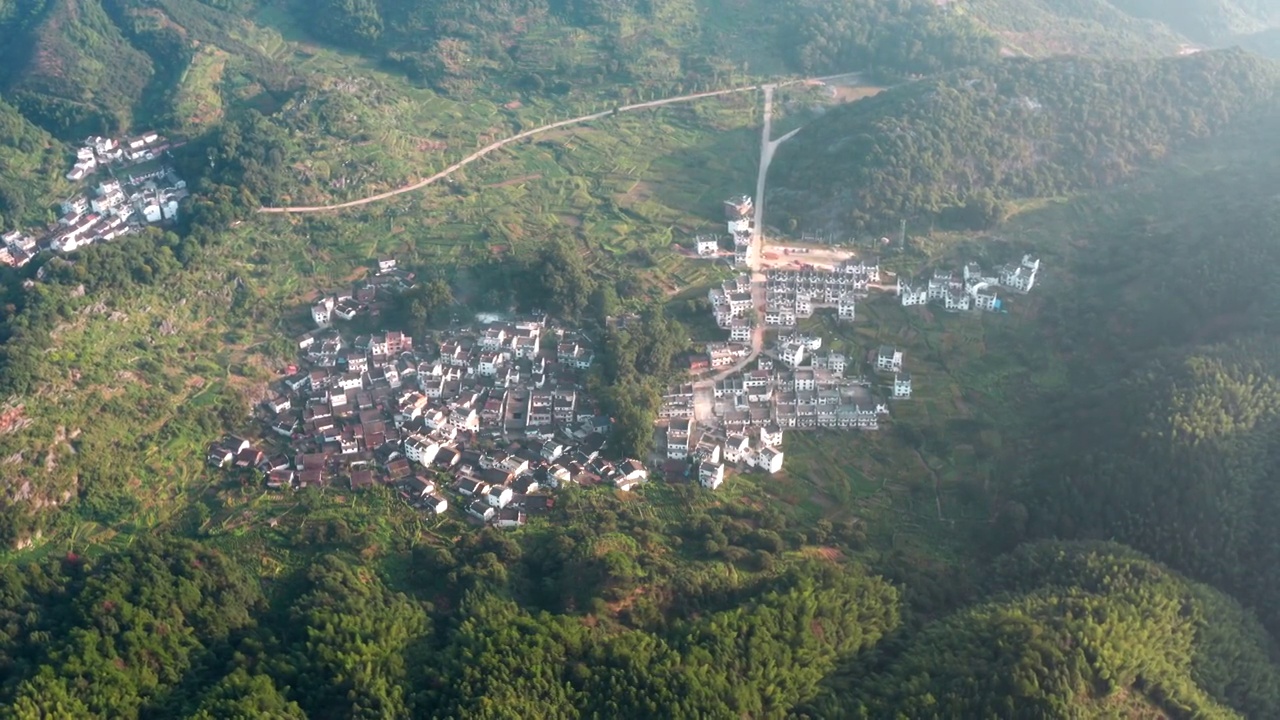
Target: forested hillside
31 168
1166 438
176 630
454 45
1073 630
957 149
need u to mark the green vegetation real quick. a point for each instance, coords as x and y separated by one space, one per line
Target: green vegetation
31 169
1132 396
953 150
1075 630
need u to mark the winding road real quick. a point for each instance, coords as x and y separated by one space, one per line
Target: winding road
766 152
499 145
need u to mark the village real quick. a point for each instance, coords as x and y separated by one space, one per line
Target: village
751 392
487 418
490 417
139 188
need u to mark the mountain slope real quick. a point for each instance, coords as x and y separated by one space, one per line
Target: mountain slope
1092 28
1074 630
31 169
943 150
1215 22
75 72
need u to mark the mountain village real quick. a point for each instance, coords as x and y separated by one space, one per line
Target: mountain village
140 188
737 416
486 418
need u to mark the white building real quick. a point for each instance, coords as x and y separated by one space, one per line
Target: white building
889 359
678 436
911 297
847 307
792 353
706 245
902 385
500 496
1020 277
769 459
421 449
770 436
322 312
711 475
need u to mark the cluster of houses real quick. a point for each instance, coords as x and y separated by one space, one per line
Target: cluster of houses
797 386
136 195
732 305
99 152
362 298
706 456
972 288
792 295
483 417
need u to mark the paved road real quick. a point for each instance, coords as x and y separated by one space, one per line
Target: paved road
755 254
498 145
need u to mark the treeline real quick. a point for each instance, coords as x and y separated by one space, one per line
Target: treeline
955 150
175 630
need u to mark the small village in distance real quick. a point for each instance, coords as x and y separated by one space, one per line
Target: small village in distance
136 186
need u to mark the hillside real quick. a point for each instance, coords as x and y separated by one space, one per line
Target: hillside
31 168
1213 22
73 71
1073 630
1162 434
1091 28
955 150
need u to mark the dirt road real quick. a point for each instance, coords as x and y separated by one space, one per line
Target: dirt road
499 145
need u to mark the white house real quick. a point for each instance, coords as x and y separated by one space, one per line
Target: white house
910 296
735 447
902 385
500 496
706 245
770 436
678 435
711 475
421 449
481 511
846 309
769 459
436 503
1020 277
322 312
792 353
889 359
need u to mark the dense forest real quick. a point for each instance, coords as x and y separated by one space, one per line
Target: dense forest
958 149
1165 438
494 628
